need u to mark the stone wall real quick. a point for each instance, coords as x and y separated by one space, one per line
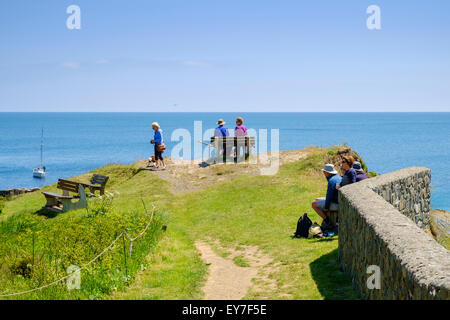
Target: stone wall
408 190
380 221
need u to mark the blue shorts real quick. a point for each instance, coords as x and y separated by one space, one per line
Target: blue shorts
321 205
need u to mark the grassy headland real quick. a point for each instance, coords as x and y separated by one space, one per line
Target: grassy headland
244 210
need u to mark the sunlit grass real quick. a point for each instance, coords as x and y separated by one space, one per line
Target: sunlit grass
259 211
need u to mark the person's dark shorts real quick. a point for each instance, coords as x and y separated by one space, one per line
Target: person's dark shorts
158 155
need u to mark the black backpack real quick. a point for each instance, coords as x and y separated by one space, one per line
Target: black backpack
303 225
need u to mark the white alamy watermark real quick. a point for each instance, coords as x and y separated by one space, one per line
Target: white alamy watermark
253 148
74 279
73 22
374 20
374 279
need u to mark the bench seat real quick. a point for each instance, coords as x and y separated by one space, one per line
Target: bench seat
63 202
56 195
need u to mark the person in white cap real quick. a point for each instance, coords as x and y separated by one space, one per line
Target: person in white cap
330 202
158 141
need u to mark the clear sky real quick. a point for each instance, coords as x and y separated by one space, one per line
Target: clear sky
230 55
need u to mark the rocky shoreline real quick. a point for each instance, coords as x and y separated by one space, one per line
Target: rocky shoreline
17 191
440 226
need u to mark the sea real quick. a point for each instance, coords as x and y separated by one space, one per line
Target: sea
75 143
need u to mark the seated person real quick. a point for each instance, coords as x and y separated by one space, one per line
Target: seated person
349 176
221 132
330 202
240 131
360 174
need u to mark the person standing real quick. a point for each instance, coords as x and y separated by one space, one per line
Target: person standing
158 141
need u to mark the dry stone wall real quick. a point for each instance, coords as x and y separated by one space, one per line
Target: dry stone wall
381 238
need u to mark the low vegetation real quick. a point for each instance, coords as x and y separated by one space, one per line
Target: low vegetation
37 247
2 203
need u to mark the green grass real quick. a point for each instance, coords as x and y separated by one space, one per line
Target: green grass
446 242
259 211
263 211
37 247
2 203
241 261
175 272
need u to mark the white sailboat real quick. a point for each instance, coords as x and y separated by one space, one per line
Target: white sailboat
40 171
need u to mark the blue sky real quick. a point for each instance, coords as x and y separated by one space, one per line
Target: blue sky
209 55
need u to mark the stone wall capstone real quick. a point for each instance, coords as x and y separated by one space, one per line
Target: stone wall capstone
408 190
380 223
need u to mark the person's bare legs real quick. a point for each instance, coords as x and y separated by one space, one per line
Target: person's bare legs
318 210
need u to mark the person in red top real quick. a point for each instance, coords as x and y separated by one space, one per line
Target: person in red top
240 131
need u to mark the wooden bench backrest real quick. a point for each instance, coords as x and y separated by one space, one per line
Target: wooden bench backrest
232 139
67 185
99 179
251 141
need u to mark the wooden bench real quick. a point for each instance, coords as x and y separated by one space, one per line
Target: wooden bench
227 143
98 182
63 202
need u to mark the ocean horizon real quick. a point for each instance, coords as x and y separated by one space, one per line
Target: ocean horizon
75 143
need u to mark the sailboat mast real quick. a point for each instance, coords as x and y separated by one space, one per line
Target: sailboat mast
42 143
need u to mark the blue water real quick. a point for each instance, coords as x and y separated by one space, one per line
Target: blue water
79 142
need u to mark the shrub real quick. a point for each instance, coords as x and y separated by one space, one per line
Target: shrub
36 251
101 204
2 203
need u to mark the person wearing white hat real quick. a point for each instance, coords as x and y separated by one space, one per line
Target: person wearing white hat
158 141
330 202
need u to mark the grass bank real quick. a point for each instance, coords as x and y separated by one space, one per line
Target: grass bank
257 211
260 211
37 247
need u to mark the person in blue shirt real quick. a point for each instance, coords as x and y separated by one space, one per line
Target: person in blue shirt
157 141
220 132
330 202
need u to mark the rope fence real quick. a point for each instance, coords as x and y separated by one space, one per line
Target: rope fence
123 233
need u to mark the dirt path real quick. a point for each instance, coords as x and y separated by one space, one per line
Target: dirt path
227 280
245 270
